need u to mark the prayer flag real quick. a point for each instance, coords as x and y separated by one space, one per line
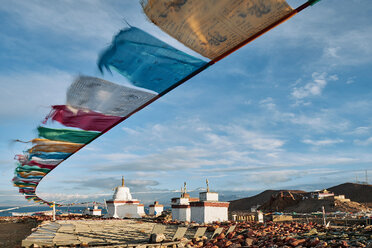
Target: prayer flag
75 136
105 97
146 61
211 27
84 119
45 145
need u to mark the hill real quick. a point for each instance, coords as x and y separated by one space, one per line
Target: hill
361 193
300 201
245 204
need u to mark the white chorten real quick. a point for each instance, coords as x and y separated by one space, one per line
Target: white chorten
156 209
208 208
181 206
122 205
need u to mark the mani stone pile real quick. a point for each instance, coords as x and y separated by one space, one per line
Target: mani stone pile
288 235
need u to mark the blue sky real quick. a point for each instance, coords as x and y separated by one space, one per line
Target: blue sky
291 110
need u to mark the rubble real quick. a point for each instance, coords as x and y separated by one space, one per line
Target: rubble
291 234
246 234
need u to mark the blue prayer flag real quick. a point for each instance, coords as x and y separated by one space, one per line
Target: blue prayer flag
146 61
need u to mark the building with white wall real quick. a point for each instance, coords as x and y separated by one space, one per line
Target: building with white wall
208 209
204 209
156 209
181 206
94 211
123 206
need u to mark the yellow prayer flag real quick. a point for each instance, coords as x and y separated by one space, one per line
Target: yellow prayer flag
212 27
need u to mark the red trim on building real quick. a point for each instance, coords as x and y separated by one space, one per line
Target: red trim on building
210 204
129 202
151 206
180 206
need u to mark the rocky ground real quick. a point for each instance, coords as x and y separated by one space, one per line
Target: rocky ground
288 235
246 234
14 230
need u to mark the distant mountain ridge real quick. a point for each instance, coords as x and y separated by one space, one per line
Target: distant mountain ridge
361 193
245 204
355 192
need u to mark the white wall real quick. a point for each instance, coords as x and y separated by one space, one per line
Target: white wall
215 214
197 214
111 211
208 196
181 214
207 214
123 210
157 209
182 200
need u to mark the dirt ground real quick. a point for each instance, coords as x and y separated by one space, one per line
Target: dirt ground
14 231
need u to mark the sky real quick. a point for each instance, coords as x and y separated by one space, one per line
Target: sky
291 110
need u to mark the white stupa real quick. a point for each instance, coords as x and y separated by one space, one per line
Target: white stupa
208 208
122 205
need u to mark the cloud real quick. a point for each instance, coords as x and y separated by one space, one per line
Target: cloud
360 131
322 120
324 142
34 98
79 19
349 48
112 182
273 177
175 158
314 88
363 142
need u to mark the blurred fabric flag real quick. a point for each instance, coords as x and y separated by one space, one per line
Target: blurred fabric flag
75 136
45 145
105 97
81 118
212 27
146 61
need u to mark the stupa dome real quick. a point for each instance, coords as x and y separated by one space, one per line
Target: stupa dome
122 193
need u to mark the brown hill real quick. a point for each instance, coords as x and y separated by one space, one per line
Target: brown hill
299 201
361 193
245 204
302 204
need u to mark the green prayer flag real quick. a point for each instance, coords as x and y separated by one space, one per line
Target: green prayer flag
74 136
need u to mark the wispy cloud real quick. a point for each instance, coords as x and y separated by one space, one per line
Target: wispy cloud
324 142
34 98
365 142
313 88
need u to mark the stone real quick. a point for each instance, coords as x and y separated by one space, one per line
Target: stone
221 236
181 245
228 243
248 241
298 242
231 235
344 243
157 238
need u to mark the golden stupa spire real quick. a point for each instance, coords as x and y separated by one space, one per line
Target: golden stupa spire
206 181
122 181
